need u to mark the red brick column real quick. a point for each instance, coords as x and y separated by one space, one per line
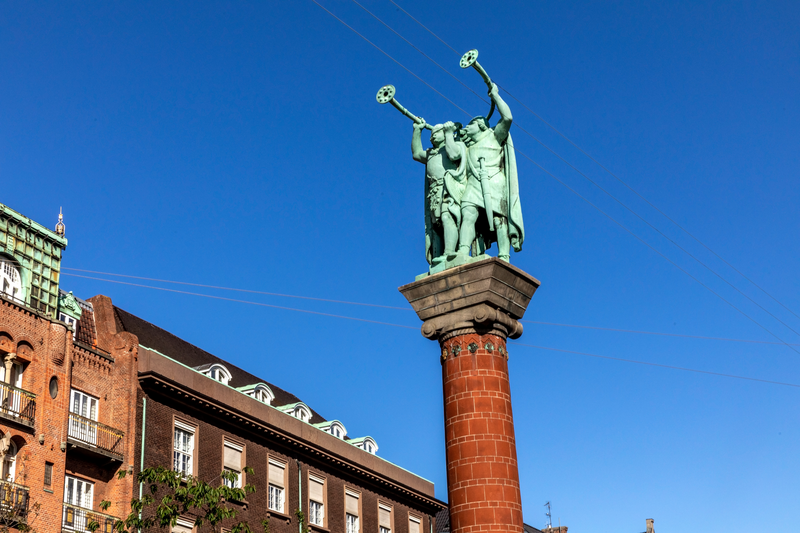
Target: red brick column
482 474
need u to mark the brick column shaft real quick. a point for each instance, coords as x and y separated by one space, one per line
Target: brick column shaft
471 310
482 474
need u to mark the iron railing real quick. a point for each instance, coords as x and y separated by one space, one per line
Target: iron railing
79 519
16 403
13 502
97 435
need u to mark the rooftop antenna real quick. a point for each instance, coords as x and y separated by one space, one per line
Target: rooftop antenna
549 516
60 228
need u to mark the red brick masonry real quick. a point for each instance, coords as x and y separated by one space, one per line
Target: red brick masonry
482 474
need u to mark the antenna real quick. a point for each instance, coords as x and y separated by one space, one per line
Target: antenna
549 516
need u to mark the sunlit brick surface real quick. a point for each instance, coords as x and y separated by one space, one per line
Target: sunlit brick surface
482 475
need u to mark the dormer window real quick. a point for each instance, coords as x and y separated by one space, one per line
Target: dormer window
298 410
301 412
10 280
219 373
334 427
260 392
367 444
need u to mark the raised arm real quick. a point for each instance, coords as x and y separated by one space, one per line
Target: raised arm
450 144
417 152
502 127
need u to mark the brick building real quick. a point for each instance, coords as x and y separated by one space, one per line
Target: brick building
89 389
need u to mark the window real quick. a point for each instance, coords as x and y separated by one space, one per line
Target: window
69 321
10 280
316 500
183 448
78 492
10 462
352 509
82 426
48 475
302 412
219 373
183 525
414 524
232 462
277 484
16 374
384 518
262 393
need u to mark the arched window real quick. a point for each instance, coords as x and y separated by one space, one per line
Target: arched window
10 462
302 412
262 394
219 373
10 279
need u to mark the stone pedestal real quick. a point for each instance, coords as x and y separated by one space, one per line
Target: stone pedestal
471 310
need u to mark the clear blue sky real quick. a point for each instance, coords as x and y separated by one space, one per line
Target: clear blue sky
241 145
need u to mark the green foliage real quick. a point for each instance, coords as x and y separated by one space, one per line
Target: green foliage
301 517
170 495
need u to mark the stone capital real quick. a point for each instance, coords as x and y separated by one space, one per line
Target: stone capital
487 296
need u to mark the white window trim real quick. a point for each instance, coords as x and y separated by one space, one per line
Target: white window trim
192 430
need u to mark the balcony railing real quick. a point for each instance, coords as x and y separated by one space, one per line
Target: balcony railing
13 502
17 404
93 434
78 519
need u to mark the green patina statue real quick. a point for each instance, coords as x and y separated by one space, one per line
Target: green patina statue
471 186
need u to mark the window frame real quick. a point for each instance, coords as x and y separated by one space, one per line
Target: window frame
240 447
359 522
390 508
418 519
277 461
188 427
324 502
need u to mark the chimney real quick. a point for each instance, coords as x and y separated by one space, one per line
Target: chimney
556 529
650 528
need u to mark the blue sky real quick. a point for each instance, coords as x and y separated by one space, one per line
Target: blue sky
240 145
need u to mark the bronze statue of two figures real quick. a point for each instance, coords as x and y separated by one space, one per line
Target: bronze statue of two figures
471 186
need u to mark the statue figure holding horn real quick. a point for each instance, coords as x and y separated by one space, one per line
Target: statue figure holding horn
490 206
445 180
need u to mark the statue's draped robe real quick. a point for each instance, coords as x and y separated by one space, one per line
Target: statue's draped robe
443 194
502 185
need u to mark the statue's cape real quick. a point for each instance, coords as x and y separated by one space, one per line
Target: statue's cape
516 230
454 182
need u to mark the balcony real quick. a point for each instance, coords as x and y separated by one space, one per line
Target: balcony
13 503
78 519
17 405
94 438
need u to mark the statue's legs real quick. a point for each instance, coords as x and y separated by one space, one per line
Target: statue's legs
503 241
450 233
469 216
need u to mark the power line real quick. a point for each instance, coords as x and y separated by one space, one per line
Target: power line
365 304
655 333
331 315
597 185
634 191
241 301
237 290
393 307
656 364
579 195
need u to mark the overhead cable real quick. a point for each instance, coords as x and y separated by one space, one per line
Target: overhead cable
685 369
590 180
570 188
331 315
584 152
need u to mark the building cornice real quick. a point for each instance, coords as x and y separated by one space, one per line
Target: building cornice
173 379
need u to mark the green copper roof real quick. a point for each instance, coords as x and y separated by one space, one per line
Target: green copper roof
37 250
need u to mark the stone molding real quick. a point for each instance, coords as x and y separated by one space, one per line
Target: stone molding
485 297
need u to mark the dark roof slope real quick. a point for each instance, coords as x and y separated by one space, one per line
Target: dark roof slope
530 529
190 355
